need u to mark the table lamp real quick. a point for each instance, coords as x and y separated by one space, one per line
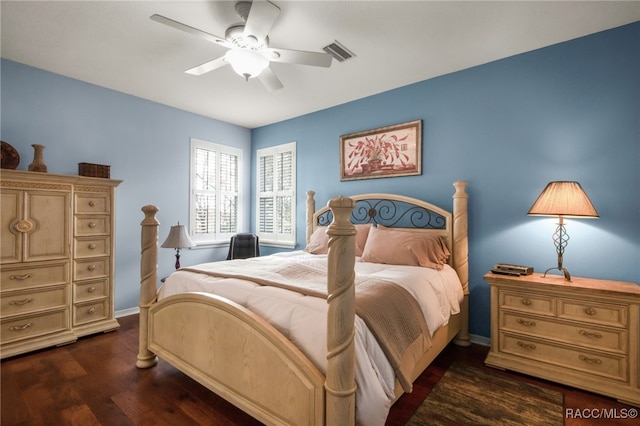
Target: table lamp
178 238
563 198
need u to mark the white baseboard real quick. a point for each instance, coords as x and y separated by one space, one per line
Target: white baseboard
480 340
127 312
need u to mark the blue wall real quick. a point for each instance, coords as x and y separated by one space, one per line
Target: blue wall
567 112
146 144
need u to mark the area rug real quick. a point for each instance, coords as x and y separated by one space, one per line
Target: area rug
468 396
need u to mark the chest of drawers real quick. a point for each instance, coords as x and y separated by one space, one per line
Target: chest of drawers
56 280
582 333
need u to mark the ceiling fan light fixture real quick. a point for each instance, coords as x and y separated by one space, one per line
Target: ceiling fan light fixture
246 63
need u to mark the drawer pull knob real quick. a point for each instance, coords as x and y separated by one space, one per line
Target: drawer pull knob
91 289
20 327
21 302
590 311
593 334
590 360
91 310
526 323
92 203
526 302
20 277
92 246
91 267
528 346
92 225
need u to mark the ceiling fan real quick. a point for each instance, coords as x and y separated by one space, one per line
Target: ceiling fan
249 53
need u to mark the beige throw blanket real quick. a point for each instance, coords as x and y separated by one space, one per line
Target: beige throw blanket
391 313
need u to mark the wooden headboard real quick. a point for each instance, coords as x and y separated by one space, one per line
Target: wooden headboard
407 213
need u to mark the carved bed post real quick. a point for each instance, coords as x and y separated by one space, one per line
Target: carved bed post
340 384
311 208
461 254
148 280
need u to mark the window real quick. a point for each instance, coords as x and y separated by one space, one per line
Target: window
276 203
215 192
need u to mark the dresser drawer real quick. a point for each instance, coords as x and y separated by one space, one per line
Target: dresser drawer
92 247
83 313
88 290
525 302
32 301
33 276
90 203
608 339
85 269
593 312
34 325
600 364
86 226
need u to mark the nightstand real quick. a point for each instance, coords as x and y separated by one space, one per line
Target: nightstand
582 333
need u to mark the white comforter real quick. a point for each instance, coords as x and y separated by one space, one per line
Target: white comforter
302 319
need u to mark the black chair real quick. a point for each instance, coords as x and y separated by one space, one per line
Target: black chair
243 246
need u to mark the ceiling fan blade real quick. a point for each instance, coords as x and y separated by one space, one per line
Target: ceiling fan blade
190 30
262 16
207 66
270 80
314 59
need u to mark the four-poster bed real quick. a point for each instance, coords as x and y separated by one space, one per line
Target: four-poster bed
245 359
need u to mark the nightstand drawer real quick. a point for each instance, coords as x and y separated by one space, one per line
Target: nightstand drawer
92 247
595 313
526 302
614 340
33 301
606 365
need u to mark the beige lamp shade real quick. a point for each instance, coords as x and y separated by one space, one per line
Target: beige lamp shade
563 198
178 238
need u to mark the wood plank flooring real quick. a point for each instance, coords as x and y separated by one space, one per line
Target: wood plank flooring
95 382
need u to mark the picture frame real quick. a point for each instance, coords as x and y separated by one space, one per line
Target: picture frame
389 151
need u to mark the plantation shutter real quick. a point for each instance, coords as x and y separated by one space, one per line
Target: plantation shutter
215 194
276 195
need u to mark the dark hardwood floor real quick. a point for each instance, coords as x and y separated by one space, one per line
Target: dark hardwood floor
95 382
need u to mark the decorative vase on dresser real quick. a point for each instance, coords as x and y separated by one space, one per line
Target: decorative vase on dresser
57 256
582 333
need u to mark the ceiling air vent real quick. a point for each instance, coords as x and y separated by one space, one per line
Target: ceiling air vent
338 51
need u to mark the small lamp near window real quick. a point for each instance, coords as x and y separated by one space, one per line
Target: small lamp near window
563 199
178 238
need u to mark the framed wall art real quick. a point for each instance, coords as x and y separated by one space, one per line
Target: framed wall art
383 152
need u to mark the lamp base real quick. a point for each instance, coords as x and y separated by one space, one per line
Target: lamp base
567 276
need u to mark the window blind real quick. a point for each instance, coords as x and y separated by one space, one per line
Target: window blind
276 195
215 192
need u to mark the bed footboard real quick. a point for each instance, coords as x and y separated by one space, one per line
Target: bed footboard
239 356
226 348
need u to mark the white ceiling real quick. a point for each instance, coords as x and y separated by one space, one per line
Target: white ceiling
114 44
